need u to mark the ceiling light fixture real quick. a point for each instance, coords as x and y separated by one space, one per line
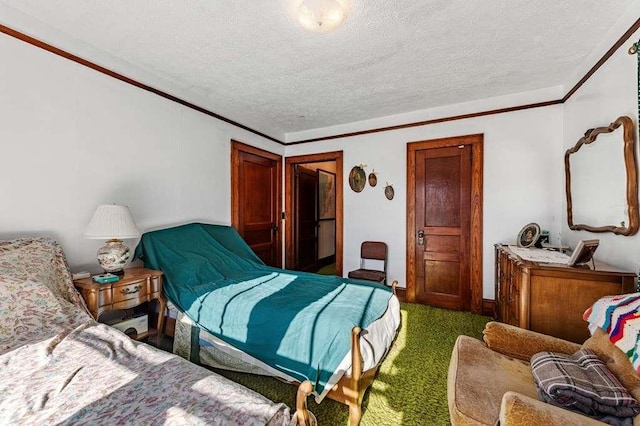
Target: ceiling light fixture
321 16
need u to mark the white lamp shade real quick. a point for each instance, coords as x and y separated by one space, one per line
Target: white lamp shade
111 221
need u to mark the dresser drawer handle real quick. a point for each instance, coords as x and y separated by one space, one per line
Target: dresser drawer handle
130 291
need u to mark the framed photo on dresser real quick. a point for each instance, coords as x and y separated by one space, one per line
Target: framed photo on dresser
528 235
583 252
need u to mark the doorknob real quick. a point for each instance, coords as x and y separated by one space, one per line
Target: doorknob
274 228
420 238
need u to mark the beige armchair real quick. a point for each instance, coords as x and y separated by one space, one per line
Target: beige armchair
491 381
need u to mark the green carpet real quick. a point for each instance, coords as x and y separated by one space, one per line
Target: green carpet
411 386
327 270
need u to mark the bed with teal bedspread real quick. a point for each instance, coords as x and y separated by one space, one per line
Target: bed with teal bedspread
298 323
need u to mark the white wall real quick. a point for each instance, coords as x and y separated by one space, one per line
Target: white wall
72 138
611 92
523 179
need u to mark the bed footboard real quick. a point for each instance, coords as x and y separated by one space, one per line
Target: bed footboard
350 390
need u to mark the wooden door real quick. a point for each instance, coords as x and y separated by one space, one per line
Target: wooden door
255 200
443 202
416 255
306 218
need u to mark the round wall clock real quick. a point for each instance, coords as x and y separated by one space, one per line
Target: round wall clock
357 178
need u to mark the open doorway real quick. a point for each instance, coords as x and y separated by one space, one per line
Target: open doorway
314 217
313 205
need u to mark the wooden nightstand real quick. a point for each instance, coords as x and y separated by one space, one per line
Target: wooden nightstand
136 286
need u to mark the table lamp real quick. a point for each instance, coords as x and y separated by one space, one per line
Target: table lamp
113 223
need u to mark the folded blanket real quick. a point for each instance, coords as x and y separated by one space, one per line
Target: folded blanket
582 382
618 316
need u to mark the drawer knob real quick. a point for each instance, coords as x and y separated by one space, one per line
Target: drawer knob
130 290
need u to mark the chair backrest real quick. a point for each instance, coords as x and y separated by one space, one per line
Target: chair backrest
375 250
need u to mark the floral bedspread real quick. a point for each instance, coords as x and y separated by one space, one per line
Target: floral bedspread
58 366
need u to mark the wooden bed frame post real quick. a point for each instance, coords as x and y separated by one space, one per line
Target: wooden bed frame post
355 399
350 390
302 413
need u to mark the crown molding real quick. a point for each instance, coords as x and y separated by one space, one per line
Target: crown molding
62 53
70 56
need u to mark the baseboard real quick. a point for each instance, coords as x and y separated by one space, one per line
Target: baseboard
488 305
489 308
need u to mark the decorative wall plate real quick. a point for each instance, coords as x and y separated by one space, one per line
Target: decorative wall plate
357 178
373 179
389 192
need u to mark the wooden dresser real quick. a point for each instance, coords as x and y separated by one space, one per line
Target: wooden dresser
550 298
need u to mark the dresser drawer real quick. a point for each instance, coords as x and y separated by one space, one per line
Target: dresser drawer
135 291
514 305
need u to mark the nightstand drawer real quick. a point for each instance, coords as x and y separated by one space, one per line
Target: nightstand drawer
133 291
156 285
104 296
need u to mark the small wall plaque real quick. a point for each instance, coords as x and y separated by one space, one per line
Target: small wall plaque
389 192
373 179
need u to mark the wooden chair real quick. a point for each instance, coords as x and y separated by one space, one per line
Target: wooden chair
371 250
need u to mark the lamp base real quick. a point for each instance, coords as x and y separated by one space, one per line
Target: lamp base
113 256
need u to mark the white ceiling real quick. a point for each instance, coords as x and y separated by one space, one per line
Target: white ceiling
249 61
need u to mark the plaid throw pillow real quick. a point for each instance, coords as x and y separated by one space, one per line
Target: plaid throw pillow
583 383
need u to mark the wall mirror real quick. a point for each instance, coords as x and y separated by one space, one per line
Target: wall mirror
602 181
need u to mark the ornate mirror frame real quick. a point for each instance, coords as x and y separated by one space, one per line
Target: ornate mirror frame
631 173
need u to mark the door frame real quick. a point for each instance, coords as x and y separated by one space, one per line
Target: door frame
236 149
290 163
475 247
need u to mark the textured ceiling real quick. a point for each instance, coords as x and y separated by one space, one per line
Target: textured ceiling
249 61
